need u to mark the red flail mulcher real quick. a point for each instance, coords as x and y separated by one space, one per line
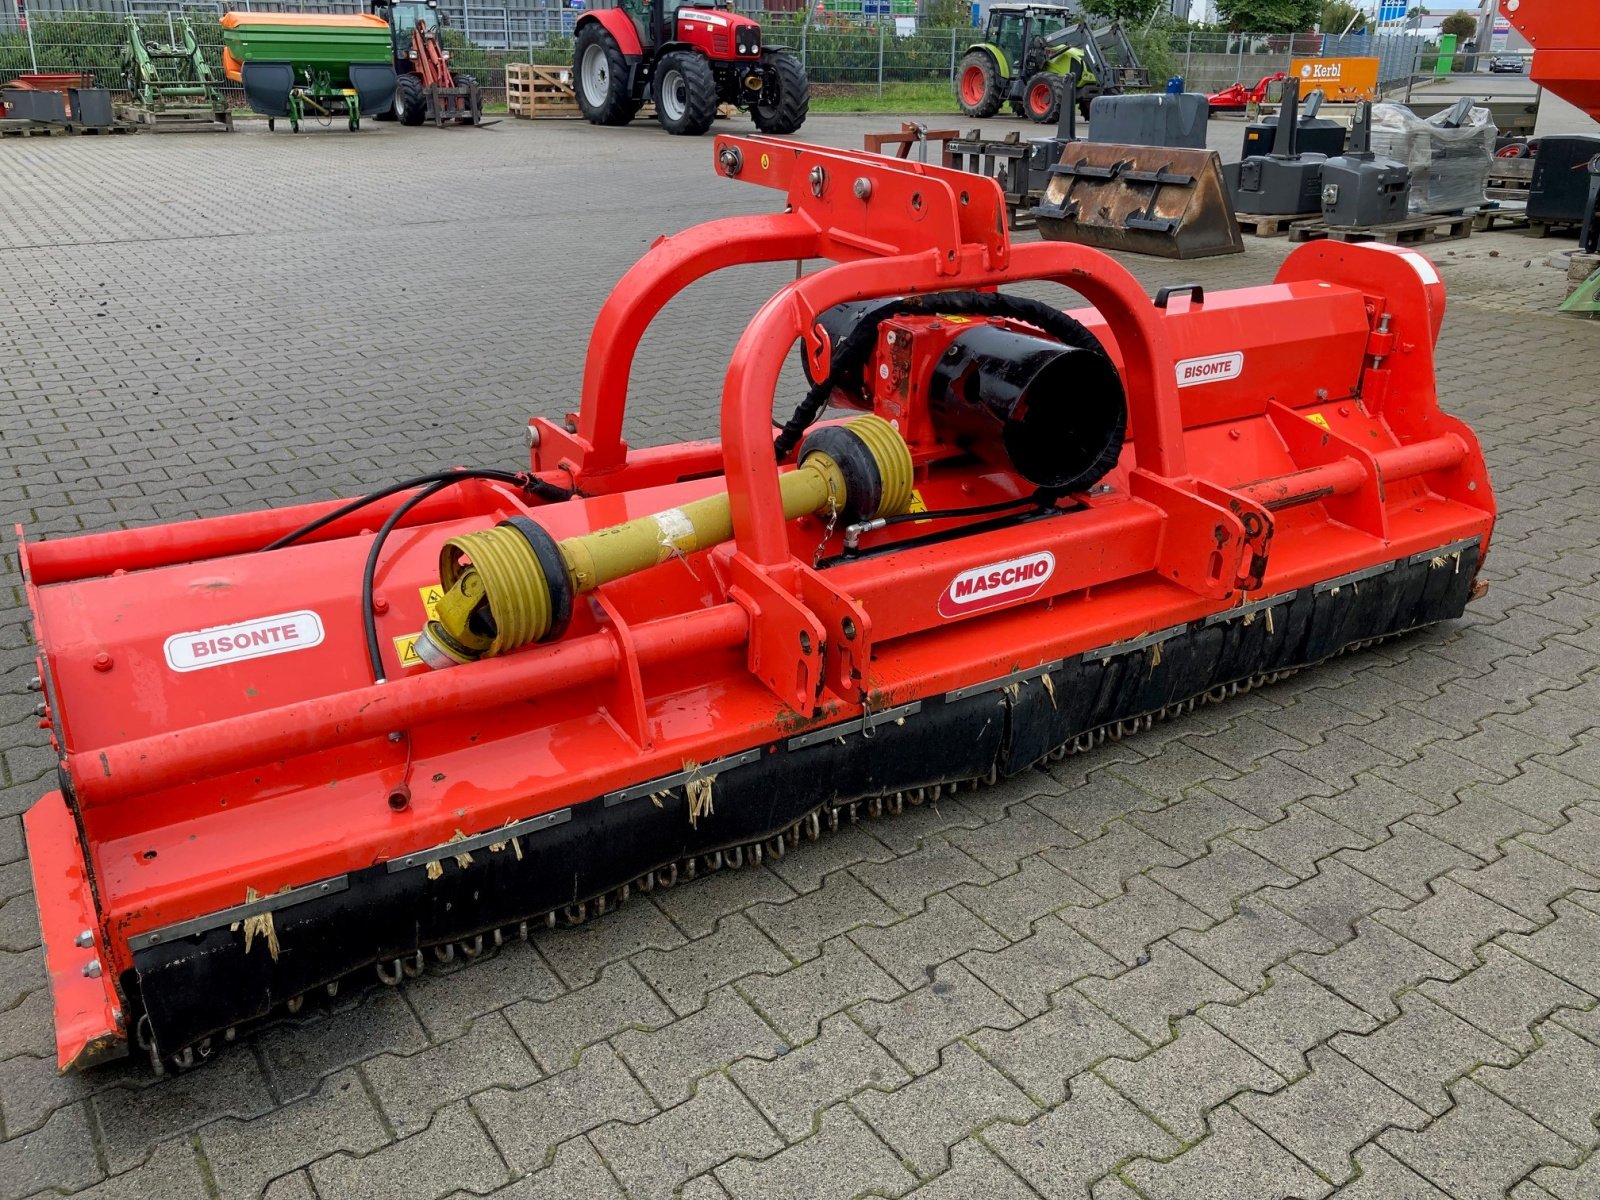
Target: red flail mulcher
303 745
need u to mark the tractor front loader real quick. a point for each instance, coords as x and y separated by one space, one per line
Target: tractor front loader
1030 52
170 86
425 87
304 747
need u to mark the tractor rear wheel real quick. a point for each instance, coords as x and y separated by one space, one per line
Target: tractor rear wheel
600 78
786 97
1041 99
686 93
410 102
978 84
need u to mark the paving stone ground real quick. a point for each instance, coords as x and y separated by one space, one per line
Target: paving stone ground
1338 936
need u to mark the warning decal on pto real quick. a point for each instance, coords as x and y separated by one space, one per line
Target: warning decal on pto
996 583
405 649
278 634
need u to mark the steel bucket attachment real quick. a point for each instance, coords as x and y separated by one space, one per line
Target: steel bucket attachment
1146 199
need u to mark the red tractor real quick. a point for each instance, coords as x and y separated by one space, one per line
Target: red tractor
688 62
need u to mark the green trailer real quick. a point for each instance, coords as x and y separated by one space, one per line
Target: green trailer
298 64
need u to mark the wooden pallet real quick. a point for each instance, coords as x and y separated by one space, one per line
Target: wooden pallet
1510 215
1415 231
1268 224
536 92
17 127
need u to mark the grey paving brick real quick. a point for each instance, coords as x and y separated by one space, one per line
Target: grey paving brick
172 1171
668 1060
452 1152
1568 946
1329 1112
1145 913
1291 1016
1043 1053
843 1160
1090 804
527 1125
1193 822
1438 774
31 1088
1028 971
717 1124
60 1153
1217 880
1247 944
908 881
798 999
850 845
696 910
1525 881
1106 862
1478 823
1062 1151
1454 922
578 954
410 1089
1506 996
556 1030
1151 996
1269 789
1180 1082
1576 842
577 1171
1242 743
1407 861
915 1027
1557 1085
801 925
133 1118
1540 792
1300 840
975 1171
1169 775
1332 901
243 1156
1236 1162
20 973
1003 844
793 1088
1574 1183
1371 807
300 1053
684 976
1014 902
1422 1051
448 1003
922 1119
911 949
918 822
1384 1177
1479 1147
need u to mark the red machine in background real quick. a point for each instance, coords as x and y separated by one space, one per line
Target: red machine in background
426 89
1238 98
1566 47
1040 529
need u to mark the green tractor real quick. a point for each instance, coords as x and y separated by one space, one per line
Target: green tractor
1031 50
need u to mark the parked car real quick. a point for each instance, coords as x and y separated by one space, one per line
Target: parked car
1504 64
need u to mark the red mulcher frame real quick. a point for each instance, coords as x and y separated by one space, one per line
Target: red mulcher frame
1309 454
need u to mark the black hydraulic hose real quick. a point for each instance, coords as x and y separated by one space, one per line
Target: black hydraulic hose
1039 499
369 617
531 484
850 356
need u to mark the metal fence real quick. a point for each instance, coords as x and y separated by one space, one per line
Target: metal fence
887 53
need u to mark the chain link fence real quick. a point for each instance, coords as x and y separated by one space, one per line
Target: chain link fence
872 50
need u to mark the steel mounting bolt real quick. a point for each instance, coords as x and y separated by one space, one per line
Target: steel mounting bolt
862 188
819 181
732 161
102 662
36 684
570 424
40 709
92 968
85 939
533 437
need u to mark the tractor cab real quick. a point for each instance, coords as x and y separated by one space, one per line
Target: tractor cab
1030 52
403 17
1020 31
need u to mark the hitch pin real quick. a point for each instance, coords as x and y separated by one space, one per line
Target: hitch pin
1383 327
852 533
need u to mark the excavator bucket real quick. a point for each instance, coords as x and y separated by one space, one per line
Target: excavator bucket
303 748
1157 200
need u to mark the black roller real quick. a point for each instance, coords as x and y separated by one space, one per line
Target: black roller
1055 414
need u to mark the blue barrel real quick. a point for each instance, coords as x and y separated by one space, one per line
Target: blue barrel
1175 85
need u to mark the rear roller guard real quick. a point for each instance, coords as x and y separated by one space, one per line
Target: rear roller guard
811 827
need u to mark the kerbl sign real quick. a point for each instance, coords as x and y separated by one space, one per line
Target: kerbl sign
1342 80
248 639
996 583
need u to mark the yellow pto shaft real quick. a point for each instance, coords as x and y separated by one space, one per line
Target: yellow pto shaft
514 584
